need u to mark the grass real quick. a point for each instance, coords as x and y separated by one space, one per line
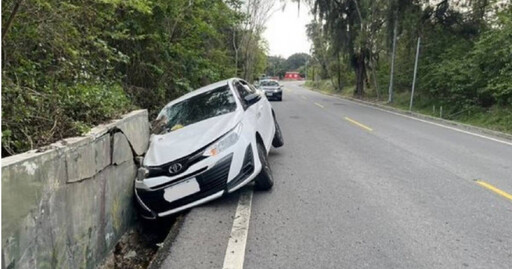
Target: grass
498 118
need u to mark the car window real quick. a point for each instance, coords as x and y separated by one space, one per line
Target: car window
244 91
203 106
252 88
248 86
269 83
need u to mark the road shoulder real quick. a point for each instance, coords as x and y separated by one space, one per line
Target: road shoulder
448 123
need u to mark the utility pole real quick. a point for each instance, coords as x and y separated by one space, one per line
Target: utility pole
415 70
390 95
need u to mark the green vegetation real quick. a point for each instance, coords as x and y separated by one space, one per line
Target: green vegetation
68 65
278 66
465 60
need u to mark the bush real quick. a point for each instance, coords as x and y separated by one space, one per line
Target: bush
31 119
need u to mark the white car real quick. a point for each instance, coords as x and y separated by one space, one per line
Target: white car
208 143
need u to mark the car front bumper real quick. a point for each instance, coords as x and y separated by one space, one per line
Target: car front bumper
274 93
215 181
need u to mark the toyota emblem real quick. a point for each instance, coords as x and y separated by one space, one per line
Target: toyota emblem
175 168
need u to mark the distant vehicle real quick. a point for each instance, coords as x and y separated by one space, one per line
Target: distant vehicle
272 89
263 77
292 76
208 143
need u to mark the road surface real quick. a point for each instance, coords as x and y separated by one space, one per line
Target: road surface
358 187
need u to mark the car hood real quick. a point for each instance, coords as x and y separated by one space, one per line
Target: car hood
182 142
270 88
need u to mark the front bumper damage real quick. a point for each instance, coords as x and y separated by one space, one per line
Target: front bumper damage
213 183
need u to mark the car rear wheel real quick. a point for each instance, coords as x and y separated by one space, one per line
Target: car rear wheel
278 140
264 181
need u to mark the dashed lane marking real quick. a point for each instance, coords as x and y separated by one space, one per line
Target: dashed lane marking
358 124
494 189
319 105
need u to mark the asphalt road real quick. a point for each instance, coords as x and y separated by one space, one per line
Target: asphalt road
357 187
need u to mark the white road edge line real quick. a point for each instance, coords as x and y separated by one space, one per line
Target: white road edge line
448 127
235 252
430 122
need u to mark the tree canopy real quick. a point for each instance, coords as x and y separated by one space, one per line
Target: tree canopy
278 66
68 65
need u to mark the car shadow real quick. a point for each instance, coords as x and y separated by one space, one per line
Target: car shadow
273 152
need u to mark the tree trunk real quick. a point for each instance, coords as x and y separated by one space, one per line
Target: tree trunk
236 62
340 83
360 69
235 48
376 85
11 18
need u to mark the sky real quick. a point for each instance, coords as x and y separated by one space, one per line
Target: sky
286 30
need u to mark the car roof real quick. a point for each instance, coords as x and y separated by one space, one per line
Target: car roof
203 89
269 80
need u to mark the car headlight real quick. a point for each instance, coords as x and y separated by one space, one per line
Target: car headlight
224 142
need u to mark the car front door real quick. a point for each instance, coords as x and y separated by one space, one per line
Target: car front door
259 111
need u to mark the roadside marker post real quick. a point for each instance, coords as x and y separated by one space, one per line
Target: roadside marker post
390 90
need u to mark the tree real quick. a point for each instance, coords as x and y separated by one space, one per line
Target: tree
296 61
349 23
319 50
256 12
275 66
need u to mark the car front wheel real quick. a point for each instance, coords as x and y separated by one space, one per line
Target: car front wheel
264 180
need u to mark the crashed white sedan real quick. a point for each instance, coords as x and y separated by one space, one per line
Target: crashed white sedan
210 142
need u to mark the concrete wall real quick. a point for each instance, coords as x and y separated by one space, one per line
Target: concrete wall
66 207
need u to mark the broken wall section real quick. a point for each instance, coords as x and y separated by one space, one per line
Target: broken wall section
67 206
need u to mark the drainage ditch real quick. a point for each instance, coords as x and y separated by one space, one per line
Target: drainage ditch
138 248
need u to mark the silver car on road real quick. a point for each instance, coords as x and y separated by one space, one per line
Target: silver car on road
272 89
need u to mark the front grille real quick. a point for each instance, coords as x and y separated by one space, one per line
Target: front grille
166 184
210 182
186 162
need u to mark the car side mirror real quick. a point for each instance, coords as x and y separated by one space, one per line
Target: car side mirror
252 99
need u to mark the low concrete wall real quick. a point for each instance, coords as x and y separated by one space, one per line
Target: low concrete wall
66 207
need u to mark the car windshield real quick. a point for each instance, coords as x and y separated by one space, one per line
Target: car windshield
197 108
269 83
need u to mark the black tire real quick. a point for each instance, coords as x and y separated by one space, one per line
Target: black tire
264 180
278 140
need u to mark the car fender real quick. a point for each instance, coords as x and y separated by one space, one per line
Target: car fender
267 126
250 133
